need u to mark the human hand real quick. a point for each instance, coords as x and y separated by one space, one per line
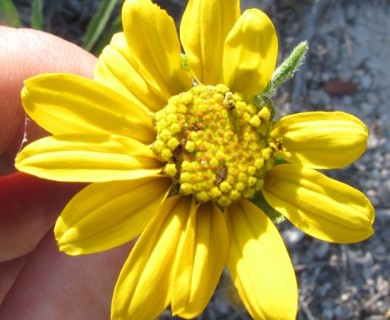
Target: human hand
36 280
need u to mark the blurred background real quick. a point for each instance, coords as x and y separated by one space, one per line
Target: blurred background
347 68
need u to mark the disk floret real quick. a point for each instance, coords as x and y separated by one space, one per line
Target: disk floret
215 144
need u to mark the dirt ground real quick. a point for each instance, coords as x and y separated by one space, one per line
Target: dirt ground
346 69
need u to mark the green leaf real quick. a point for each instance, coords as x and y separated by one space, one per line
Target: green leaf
263 100
98 23
37 15
9 14
184 63
105 39
288 68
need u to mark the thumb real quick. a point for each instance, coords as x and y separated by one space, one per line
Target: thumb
25 53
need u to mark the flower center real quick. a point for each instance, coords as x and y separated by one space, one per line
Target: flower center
215 144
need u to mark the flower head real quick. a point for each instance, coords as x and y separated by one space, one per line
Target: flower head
177 146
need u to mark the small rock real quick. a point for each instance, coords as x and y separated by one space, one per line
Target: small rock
384 193
292 237
339 88
351 11
341 312
319 98
367 108
321 249
327 314
366 81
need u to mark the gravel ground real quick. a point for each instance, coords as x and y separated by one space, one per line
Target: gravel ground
346 69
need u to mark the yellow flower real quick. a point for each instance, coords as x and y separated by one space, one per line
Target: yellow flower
176 147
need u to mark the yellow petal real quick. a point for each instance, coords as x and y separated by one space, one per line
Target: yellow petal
117 70
259 264
203 29
88 158
105 215
154 45
200 262
143 288
320 206
250 53
66 103
321 139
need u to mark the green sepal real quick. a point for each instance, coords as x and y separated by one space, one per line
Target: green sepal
288 68
183 61
263 100
9 14
279 160
274 215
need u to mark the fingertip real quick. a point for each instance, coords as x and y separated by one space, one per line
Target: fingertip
9 271
25 53
53 285
29 207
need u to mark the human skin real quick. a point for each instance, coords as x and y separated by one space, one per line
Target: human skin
36 280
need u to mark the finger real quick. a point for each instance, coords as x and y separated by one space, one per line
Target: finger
25 53
9 271
28 208
53 285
